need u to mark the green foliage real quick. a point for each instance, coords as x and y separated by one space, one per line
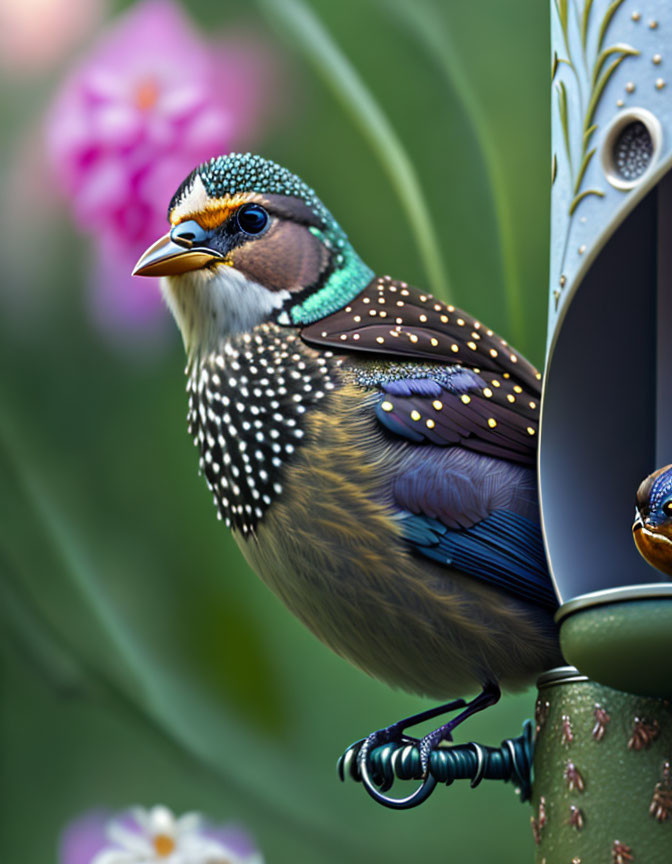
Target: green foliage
145 661
314 41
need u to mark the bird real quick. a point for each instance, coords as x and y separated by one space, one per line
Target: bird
372 448
652 528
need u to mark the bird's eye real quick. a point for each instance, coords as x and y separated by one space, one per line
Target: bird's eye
667 507
252 219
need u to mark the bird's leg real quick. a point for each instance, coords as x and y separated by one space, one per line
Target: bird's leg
395 732
487 697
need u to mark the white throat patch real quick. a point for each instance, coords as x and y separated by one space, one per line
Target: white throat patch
212 304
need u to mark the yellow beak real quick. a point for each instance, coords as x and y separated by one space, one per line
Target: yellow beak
167 258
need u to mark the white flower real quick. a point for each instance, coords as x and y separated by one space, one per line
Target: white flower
161 838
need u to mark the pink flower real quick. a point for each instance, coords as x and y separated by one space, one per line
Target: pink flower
151 101
142 836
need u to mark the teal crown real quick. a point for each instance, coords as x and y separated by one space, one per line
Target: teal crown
246 172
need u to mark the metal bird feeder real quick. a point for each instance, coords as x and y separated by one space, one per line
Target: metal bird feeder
607 406
602 778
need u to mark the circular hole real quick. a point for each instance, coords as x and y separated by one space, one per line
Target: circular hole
633 150
631 147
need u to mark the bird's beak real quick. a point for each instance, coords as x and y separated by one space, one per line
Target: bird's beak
167 258
638 524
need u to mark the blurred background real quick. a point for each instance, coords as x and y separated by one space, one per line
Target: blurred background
143 662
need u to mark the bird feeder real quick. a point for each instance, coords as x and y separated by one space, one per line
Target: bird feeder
602 786
607 405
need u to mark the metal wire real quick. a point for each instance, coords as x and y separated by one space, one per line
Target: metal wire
511 762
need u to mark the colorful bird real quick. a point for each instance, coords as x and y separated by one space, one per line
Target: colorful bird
652 528
372 448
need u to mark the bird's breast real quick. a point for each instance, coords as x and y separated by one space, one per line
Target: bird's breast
248 407
655 546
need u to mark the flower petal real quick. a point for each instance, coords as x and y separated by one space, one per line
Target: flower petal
180 102
158 183
122 303
83 838
117 856
141 816
129 840
105 189
162 820
189 823
209 132
116 125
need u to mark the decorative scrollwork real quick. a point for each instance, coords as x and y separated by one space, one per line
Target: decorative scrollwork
591 72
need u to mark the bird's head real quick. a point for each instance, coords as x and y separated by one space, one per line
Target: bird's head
652 528
250 242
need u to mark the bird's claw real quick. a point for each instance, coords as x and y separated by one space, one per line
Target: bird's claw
429 744
358 754
378 778
390 735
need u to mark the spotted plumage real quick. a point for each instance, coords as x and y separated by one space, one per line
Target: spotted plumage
247 405
497 413
371 447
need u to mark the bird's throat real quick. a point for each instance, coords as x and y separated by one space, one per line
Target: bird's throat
215 304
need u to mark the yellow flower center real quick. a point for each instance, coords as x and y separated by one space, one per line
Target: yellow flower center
146 94
164 845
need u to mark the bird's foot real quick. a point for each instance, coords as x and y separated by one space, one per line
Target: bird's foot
393 734
488 696
361 750
429 744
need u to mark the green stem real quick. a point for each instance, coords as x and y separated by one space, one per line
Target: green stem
428 29
337 72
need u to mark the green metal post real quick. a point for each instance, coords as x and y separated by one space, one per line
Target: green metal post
602 791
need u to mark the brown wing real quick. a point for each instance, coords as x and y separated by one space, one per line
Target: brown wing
394 319
467 419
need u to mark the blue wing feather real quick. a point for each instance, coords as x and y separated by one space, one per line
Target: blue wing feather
505 549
